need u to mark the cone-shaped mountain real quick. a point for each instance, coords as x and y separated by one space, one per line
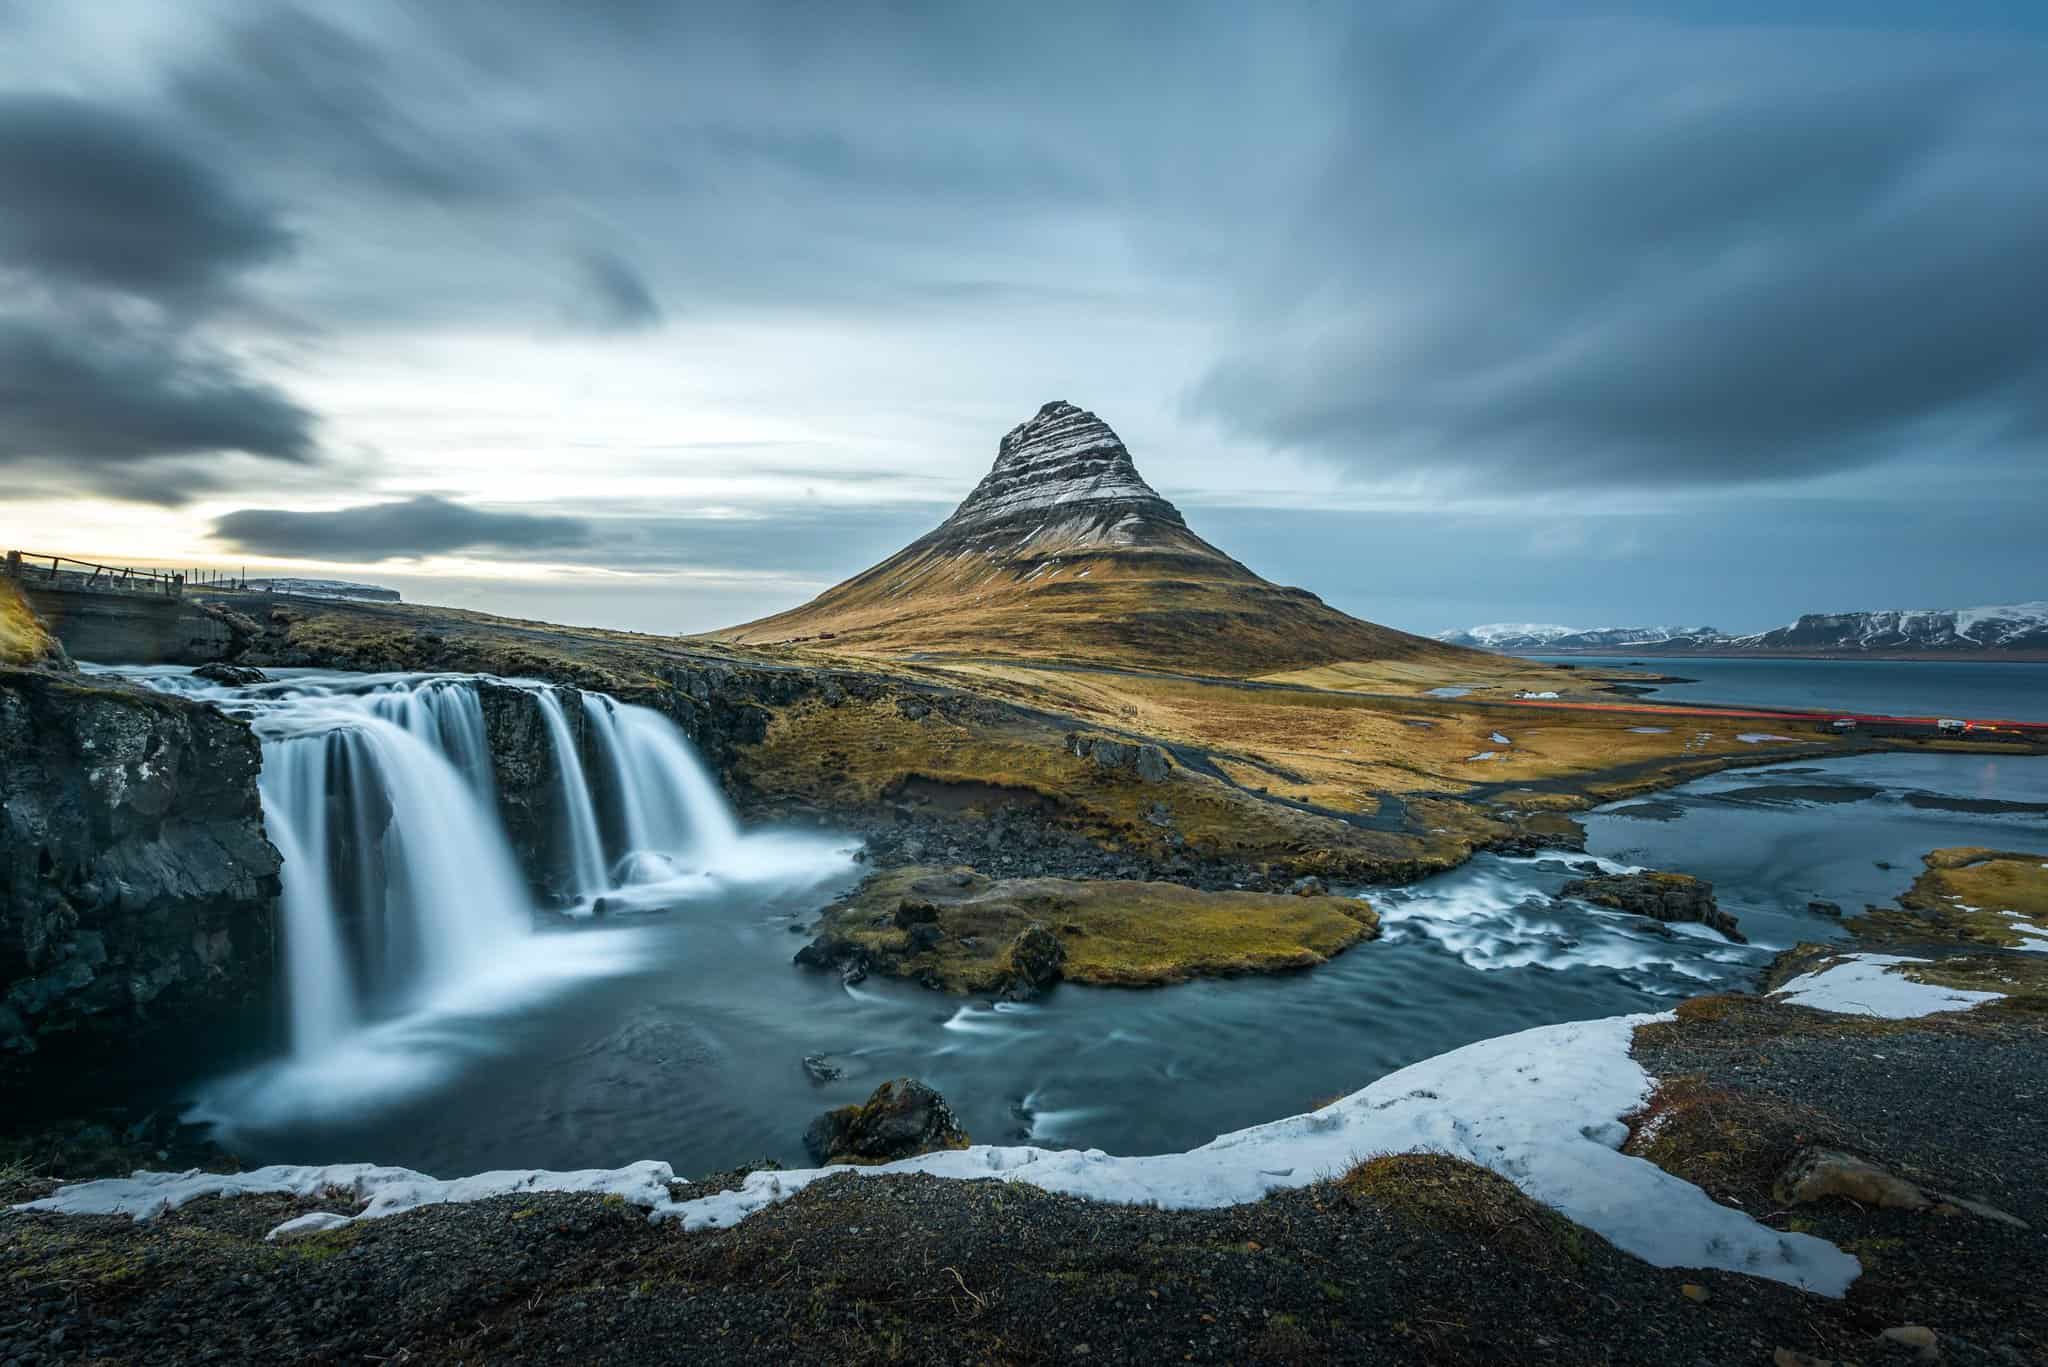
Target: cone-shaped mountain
1064 552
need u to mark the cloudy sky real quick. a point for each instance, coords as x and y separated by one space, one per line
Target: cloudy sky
658 316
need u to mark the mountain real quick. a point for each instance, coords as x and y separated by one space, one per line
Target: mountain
2019 629
1064 552
2011 627
1525 636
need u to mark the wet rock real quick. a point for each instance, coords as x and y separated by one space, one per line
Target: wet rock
1036 956
137 888
915 911
1661 896
822 1069
1820 908
1310 886
901 1119
925 935
1816 1174
234 676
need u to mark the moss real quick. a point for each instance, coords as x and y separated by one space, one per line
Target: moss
23 638
1966 895
1730 1144
1452 1195
1120 934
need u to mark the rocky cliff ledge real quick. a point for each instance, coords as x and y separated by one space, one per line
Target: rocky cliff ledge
136 885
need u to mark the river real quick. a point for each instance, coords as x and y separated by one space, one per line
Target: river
680 1036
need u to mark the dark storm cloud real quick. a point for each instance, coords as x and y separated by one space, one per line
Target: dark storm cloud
616 296
407 529
296 86
1689 258
102 198
105 406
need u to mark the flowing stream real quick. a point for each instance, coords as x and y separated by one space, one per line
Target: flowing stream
440 1021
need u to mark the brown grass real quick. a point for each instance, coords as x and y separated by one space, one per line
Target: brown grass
24 640
1449 1194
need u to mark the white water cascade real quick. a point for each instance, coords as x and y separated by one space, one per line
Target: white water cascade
402 893
669 809
586 846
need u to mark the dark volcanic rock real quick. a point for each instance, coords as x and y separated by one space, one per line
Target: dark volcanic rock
1663 896
137 888
234 676
1062 460
1036 956
901 1119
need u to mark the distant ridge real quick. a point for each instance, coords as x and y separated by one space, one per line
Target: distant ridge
1064 552
2018 630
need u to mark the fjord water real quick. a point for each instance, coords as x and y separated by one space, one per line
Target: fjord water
681 1035
1970 689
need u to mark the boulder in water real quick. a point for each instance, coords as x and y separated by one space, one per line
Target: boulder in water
1035 958
901 1119
234 676
1662 896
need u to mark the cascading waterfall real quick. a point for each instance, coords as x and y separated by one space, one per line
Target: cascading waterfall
586 846
669 807
397 853
400 884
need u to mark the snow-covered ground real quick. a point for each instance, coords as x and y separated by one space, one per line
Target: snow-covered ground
1543 1108
1873 985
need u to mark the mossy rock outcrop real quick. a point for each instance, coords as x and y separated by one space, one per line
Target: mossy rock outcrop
958 931
1660 896
901 1119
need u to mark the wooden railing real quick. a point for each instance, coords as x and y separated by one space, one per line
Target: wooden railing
33 567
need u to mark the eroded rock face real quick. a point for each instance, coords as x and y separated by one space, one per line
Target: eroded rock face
901 1119
137 887
1662 896
1146 763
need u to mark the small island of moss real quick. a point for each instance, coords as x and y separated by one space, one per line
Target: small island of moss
958 931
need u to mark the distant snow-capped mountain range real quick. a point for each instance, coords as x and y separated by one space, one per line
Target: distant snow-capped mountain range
2007 629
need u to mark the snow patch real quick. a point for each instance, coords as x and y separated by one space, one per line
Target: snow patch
1542 1108
1871 985
1758 737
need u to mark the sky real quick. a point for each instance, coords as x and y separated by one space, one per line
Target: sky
667 316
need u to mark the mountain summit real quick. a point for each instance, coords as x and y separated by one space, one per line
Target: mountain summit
1065 471
1064 552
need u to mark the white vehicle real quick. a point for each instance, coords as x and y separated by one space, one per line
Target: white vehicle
1950 726
1842 724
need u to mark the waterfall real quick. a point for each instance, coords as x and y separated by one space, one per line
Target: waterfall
403 901
586 847
390 850
673 817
